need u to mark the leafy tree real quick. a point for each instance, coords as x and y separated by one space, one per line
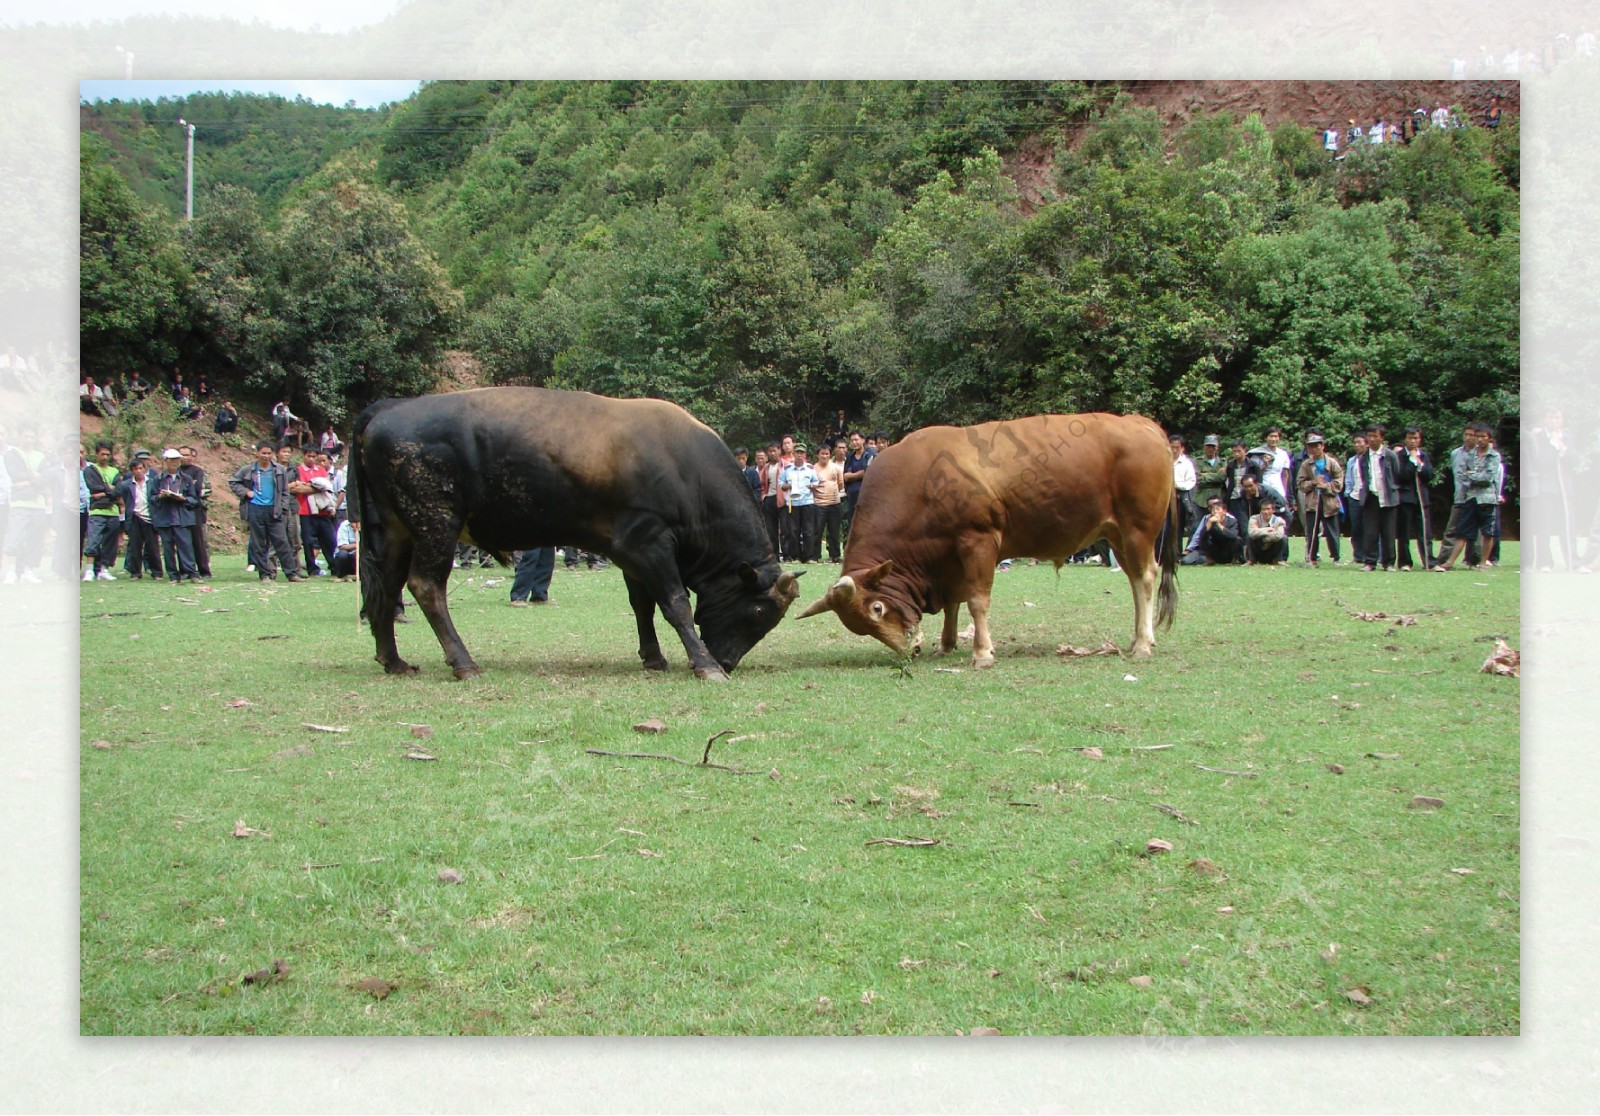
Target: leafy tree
365 310
131 276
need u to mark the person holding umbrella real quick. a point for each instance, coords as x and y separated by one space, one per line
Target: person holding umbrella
1319 481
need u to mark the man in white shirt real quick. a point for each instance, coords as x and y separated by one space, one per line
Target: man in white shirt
799 482
1183 479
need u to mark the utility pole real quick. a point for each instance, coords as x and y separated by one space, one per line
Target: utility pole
188 208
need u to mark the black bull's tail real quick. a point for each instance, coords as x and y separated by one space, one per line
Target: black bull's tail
367 514
1171 546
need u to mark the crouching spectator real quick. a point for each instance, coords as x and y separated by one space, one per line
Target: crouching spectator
342 561
1268 535
1216 539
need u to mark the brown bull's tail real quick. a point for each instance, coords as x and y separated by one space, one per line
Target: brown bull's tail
1171 547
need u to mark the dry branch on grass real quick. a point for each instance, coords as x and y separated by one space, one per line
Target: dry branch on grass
704 761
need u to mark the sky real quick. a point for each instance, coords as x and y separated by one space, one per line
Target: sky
303 15
366 94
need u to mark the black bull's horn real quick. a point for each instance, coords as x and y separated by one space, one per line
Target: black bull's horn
838 593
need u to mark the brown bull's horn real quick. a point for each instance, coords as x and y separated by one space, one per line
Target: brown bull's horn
839 592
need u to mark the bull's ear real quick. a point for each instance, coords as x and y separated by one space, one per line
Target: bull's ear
876 574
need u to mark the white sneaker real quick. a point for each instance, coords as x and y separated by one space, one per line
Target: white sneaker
249 567
105 575
88 574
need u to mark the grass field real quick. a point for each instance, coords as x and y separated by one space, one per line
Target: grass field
488 874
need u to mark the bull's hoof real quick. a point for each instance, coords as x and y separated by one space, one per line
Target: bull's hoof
465 672
657 663
982 664
399 666
710 674
1138 652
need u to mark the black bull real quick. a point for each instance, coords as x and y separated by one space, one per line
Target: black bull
510 468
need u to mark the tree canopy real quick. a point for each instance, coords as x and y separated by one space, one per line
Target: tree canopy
766 252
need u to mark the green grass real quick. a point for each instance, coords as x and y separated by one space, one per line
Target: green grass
609 895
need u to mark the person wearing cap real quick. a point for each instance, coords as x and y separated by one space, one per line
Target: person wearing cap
1319 480
1216 540
174 497
1210 472
799 483
1267 536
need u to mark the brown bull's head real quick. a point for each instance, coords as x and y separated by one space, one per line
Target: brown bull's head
866 610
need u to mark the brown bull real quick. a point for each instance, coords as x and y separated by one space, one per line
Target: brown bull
941 509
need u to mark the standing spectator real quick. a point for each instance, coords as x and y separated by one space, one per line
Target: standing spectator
1353 134
262 487
144 545
752 474
105 515
1352 500
1378 132
1330 141
1183 480
314 490
1210 472
1477 499
174 498
531 585
1267 536
855 471
1441 116
1547 512
339 474
839 431
1319 479
830 497
772 498
1379 496
285 456
1502 487
1278 476
227 418
202 547
1491 115
1239 467
30 494
799 483
1413 474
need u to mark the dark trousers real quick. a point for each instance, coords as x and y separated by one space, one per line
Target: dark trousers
532 580
1358 548
202 548
800 532
269 537
1408 526
1329 530
101 544
1377 533
1219 547
829 516
319 534
769 515
343 563
144 549
177 550
1268 551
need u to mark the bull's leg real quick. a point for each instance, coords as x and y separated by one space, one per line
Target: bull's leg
978 561
430 571
644 611
1137 557
947 637
391 579
673 600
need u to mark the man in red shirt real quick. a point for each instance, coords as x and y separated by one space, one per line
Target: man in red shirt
318 526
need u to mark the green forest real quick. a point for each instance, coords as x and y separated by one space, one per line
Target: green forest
765 253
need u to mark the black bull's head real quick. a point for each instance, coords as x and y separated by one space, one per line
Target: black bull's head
735 612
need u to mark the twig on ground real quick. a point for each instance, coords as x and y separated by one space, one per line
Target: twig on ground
705 760
905 842
1225 771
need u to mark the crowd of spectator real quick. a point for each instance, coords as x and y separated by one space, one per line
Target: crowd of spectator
806 502
1243 508
1399 126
